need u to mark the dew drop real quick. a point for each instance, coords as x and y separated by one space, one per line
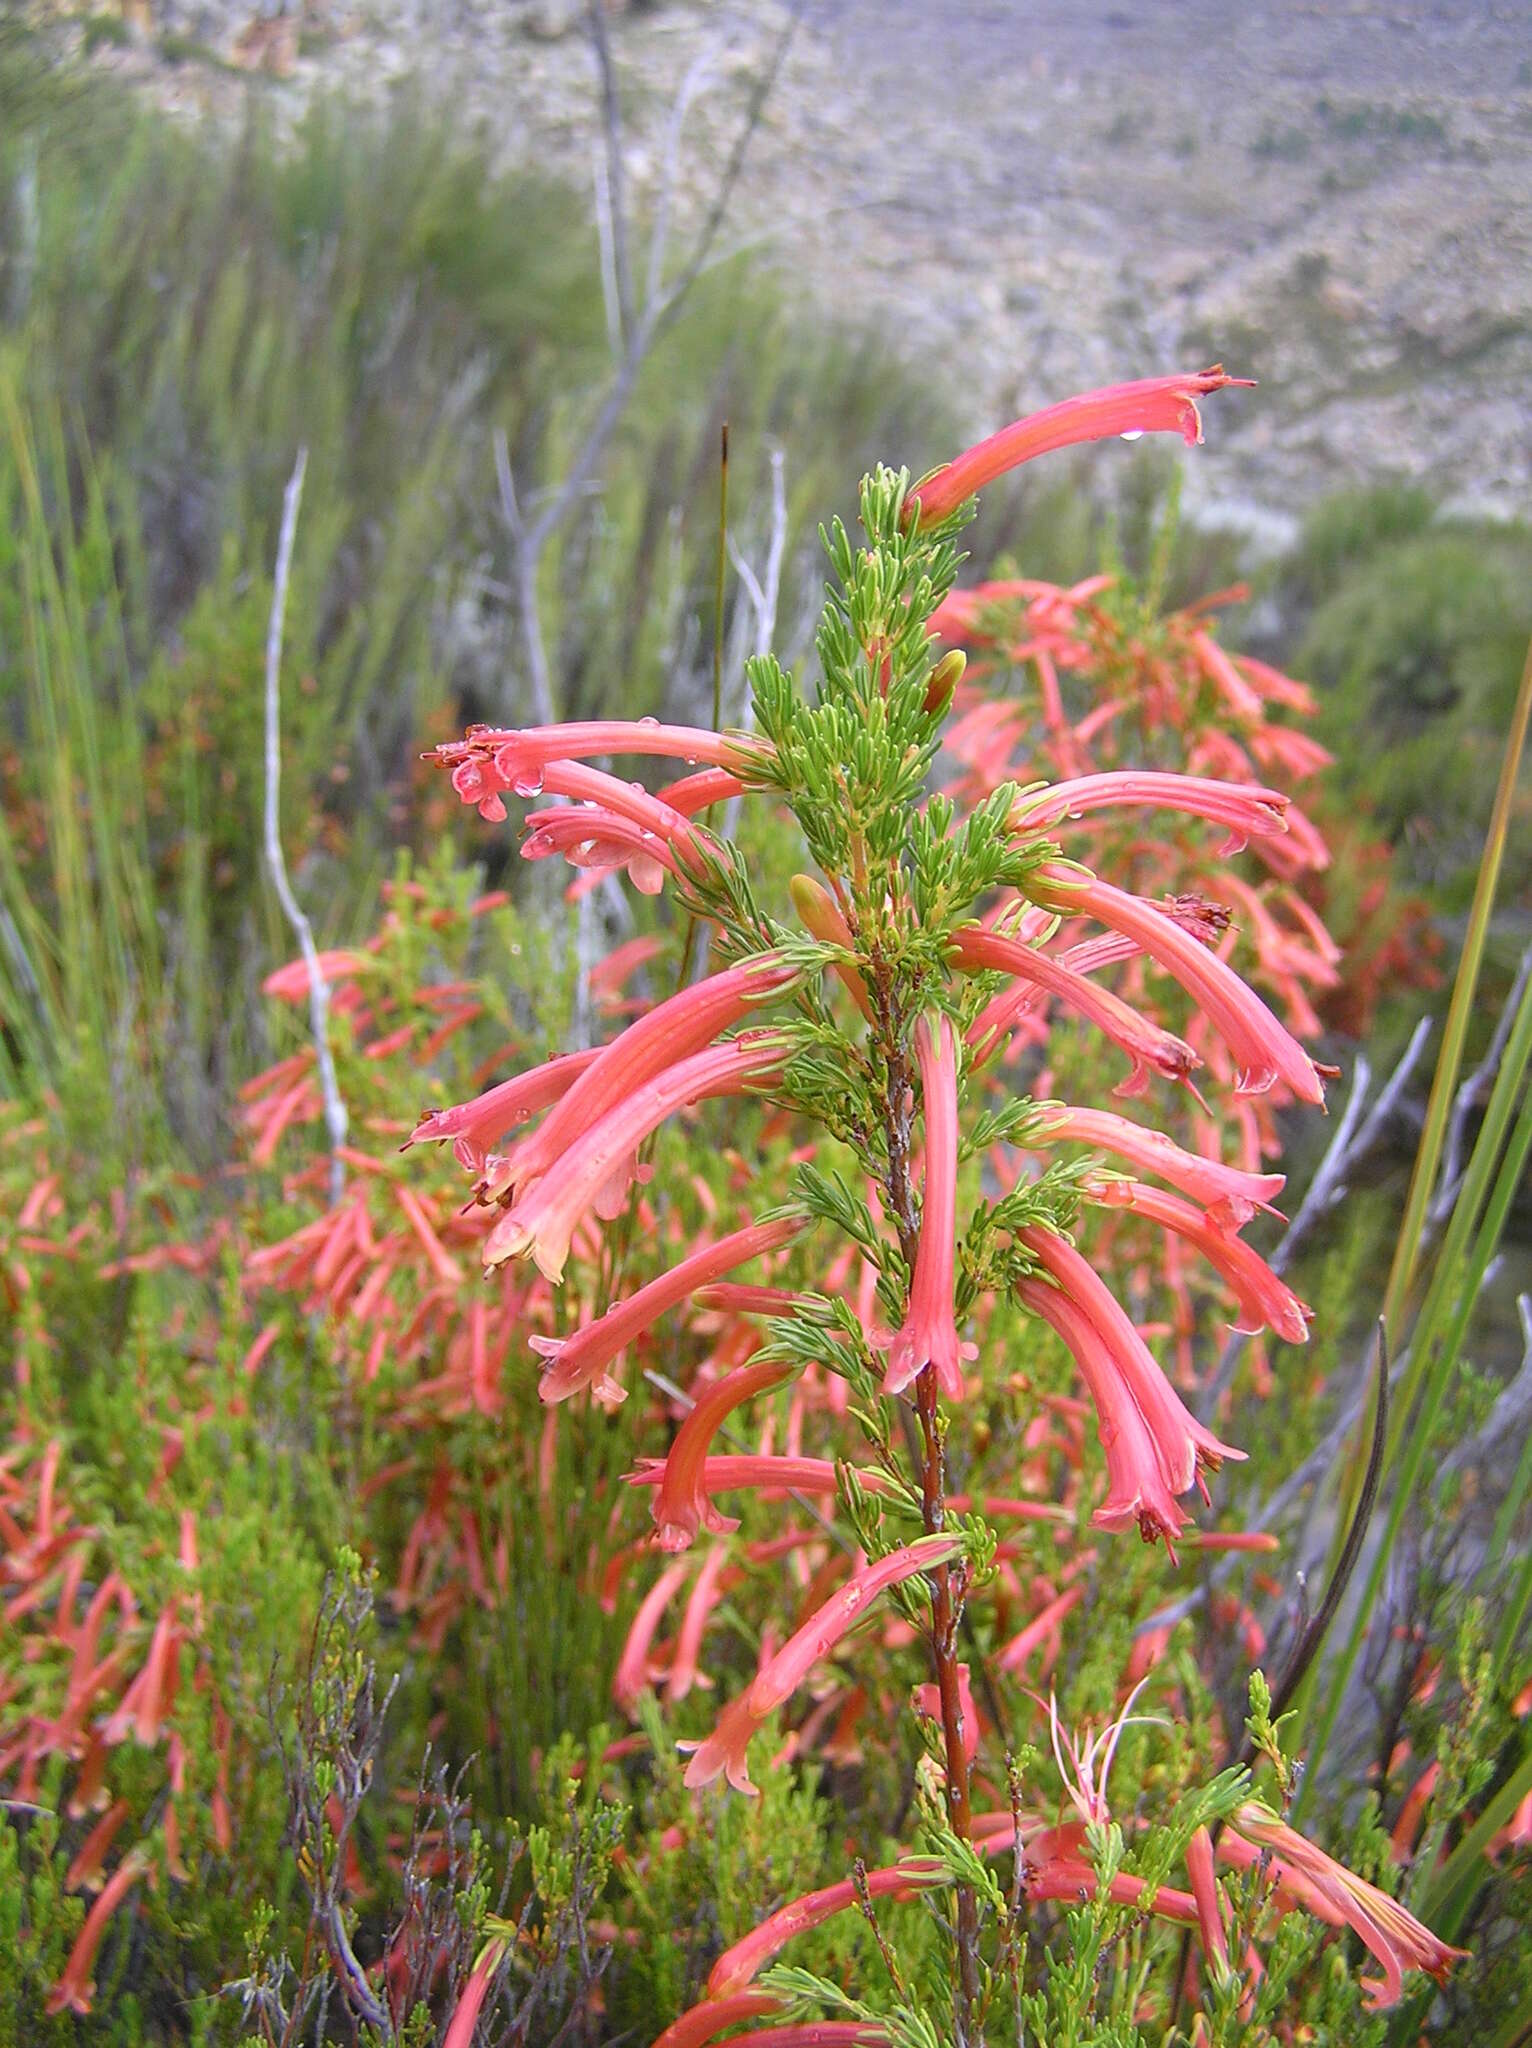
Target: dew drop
649 719
1133 434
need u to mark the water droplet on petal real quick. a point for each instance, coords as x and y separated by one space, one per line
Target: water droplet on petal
1133 434
649 719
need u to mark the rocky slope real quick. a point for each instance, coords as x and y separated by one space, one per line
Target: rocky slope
1335 198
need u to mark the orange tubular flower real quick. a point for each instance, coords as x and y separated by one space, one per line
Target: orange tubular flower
1227 1195
1199 1867
1339 1897
474 1126
543 1219
1265 1302
74 1989
490 760
705 2022
742 1964
1152 405
724 1750
1182 1444
682 1503
978 951
465 2016
581 1361
1136 1487
1244 809
651 1046
929 1334
1263 1049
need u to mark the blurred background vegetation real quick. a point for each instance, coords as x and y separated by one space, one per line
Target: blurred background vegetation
179 310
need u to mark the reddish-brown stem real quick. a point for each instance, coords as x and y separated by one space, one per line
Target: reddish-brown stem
947 1582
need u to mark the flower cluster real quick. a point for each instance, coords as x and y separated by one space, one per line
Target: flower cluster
924 947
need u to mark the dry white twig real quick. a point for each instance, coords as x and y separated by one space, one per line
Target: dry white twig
319 989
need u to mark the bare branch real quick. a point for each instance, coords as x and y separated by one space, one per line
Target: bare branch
319 990
721 199
616 199
524 561
696 77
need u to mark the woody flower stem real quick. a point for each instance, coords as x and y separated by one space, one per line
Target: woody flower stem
948 1581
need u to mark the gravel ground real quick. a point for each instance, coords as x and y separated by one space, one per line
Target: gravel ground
1334 198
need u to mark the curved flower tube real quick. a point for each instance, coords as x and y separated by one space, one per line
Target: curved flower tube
1336 1895
1145 1044
465 2014
490 759
653 1044
928 1334
1210 1919
1245 809
1263 1049
630 800
1136 1486
632 1673
542 1220
699 792
763 1472
581 1360
1183 1445
1151 405
724 1751
594 839
1227 1194
705 2022
74 1989
474 1126
682 1503
742 1964
1266 1303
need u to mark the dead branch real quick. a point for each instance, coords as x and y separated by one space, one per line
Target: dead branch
319 989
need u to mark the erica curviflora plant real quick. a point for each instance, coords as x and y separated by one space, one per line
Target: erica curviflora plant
863 1003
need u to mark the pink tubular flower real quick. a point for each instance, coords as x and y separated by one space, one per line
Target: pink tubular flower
705 2022
1227 1194
1245 809
475 1126
725 1749
1153 405
465 2014
1182 1444
699 792
633 1672
1199 1867
742 1964
74 1988
1145 1044
594 839
581 1360
928 1335
490 759
1340 1898
1265 1302
542 1219
1263 1050
1136 1488
814 2034
648 1048
682 1503
628 800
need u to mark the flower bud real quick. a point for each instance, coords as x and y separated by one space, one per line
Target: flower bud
945 677
821 916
